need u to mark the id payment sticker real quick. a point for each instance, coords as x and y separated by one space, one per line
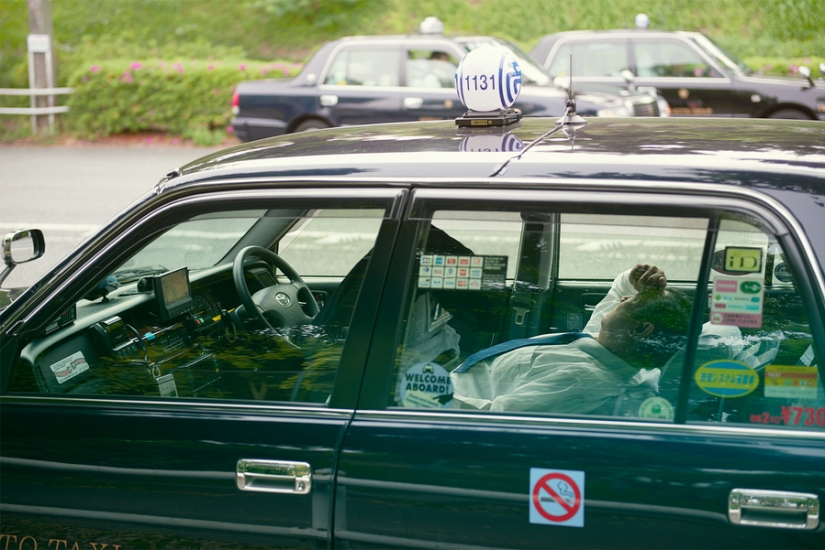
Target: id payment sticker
71 366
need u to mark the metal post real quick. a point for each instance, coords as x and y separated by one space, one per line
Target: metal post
41 67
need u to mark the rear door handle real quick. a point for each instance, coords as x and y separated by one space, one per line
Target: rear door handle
328 100
413 102
780 509
274 476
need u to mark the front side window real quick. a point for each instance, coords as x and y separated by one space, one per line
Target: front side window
235 304
668 59
431 69
364 67
589 314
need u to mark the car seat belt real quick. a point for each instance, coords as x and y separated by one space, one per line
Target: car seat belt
504 347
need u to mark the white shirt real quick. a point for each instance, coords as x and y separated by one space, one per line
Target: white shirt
582 377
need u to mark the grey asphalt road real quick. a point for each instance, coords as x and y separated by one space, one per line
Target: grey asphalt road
69 192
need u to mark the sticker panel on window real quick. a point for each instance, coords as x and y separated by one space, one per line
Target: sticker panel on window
462 272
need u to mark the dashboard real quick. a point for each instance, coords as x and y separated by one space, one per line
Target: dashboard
162 336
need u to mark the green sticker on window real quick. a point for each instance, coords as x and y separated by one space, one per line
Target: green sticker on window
743 260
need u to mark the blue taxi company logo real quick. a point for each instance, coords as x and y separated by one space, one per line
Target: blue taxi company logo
557 497
510 76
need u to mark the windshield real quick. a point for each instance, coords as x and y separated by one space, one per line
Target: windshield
531 72
197 243
721 56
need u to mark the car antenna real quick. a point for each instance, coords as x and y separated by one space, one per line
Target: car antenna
568 123
570 118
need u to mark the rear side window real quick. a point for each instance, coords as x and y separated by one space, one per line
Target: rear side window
769 372
591 58
666 58
590 314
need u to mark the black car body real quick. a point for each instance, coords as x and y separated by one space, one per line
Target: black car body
381 79
166 386
694 74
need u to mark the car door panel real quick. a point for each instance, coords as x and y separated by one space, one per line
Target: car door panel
160 474
413 476
419 492
210 468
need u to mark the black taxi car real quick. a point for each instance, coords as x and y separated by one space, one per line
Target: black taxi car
381 79
339 339
696 76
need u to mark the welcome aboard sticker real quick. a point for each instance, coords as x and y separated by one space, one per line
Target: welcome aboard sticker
726 378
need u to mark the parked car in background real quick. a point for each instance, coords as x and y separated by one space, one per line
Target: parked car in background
694 74
378 79
296 343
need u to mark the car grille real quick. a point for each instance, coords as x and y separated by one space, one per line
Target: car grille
645 107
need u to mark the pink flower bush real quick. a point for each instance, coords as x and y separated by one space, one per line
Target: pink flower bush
135 65
127 78
94 69
242 67
178 67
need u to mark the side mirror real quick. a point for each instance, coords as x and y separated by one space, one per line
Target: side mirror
806 72
629 79
20 247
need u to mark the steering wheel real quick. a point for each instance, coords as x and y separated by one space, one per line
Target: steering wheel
277 306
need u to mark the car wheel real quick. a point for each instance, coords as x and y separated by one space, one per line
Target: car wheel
312 124
789 113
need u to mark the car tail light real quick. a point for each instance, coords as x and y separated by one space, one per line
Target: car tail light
236 103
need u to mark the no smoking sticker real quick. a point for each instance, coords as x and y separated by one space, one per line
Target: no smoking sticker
557 497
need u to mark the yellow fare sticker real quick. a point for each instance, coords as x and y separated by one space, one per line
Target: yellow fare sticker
792 382
726 378
743 259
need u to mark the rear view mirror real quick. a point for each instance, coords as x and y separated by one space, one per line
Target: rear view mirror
20 247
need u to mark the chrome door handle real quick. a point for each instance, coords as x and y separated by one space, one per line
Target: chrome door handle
328 100
274 476
413 102
780 509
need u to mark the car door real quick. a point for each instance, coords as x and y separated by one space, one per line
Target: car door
429 80
684 453
692 84
362 84
132 422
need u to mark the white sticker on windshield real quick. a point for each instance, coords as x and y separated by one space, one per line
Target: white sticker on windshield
71 366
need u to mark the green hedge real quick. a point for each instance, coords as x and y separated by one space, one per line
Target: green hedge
189 98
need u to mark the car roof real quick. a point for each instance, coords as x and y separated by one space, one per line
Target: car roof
609 32
750 153
543 46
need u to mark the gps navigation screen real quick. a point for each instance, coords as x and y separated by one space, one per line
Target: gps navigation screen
172 294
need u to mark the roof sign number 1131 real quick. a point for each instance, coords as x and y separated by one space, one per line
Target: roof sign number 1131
480 82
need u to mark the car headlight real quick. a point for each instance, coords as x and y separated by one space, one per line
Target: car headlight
664 107
614 112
